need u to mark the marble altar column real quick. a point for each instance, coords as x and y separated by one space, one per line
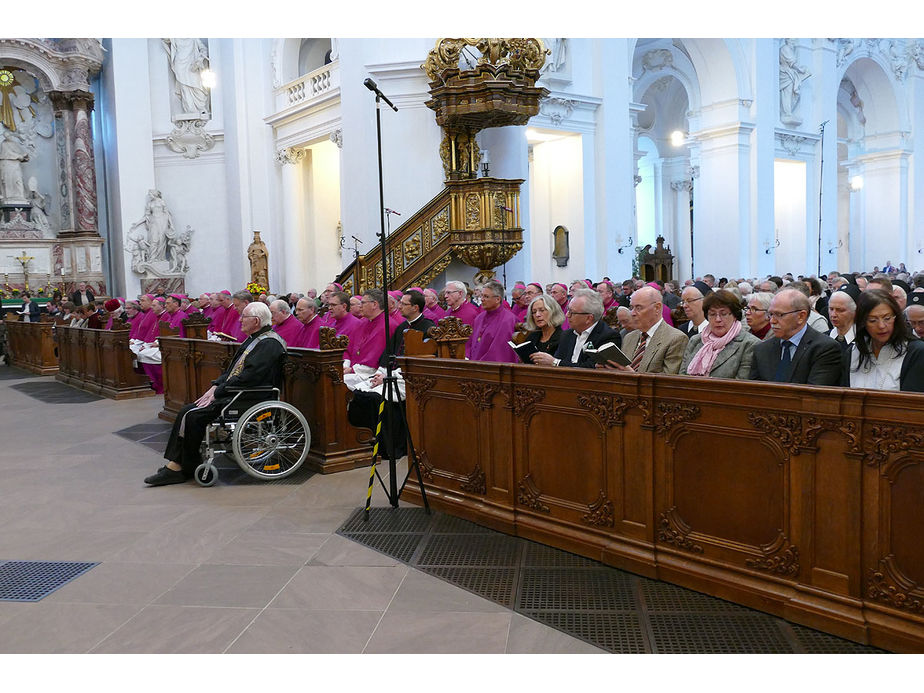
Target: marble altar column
76 168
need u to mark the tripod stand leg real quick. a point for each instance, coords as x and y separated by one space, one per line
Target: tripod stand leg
412 460
375 456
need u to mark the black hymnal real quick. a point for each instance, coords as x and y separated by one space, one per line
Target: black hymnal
524 350
608 352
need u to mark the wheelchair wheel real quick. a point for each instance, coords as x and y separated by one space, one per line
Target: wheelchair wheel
206 474
271 440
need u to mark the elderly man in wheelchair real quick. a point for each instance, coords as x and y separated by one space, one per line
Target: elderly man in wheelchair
269 439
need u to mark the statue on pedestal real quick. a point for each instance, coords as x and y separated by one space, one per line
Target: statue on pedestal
259 261
792 75
12 156
188 58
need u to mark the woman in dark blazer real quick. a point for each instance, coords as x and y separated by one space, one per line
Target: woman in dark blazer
544 319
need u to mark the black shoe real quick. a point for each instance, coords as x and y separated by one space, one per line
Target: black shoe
165 476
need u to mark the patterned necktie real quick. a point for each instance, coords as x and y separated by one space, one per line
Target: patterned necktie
782 368
639 352
840 338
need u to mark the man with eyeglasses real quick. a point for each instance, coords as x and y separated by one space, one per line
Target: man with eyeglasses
655 347
691 299
796 353
256 363
587 329
457 306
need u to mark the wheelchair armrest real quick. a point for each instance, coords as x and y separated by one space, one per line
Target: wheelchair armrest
258 389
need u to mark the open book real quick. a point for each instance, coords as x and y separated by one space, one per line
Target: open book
608 352
524 350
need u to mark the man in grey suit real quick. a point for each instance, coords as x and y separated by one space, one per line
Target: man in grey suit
796 353
655 347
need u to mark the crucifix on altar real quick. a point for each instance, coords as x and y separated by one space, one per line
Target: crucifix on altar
24 261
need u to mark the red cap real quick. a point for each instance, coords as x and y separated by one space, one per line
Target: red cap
112 304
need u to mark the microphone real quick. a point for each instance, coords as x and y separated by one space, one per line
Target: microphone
373 87
391 211
356 239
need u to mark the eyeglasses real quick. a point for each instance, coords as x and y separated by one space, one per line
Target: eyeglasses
454 291
779 316
692 300
577 312
885 320
637 308
368 301
712 315
244 317
754 310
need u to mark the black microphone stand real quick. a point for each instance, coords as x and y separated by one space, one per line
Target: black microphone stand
390 383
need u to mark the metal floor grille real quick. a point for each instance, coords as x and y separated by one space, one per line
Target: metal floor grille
610 608
55 393
30 581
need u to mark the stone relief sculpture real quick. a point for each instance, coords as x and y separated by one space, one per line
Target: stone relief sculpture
38 201
558 54
188 58
157 248
259 260
792 75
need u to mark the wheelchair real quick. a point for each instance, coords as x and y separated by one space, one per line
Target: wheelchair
268 439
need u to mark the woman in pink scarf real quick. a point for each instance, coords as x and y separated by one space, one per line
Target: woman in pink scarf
724 349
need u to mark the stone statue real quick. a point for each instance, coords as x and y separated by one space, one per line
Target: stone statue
12 156
557 48
158 225
179 249
188 58
138 247
792 75
259 261
39 215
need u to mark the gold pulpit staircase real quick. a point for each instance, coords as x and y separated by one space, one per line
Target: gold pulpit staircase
476 220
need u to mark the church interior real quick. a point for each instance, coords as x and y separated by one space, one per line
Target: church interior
182 166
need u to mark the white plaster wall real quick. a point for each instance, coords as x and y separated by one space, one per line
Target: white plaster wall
789 183
323 213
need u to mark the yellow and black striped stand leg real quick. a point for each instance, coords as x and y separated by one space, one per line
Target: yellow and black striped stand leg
375 456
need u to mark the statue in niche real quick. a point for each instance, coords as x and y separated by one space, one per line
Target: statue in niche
39 214
158 227
259 261
12 156
792 75
188 58
557 54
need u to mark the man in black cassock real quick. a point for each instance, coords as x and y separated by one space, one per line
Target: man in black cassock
257 362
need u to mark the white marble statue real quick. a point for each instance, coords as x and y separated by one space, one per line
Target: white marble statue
178 243
188 58
39 201
792 75
12 156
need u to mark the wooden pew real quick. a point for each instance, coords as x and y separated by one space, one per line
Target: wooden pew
313 382
31 345
804 502
99 361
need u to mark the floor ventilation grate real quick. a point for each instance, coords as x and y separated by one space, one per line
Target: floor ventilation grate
30 581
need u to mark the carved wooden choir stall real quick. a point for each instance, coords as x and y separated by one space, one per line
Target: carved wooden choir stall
31 345
99 361
801 501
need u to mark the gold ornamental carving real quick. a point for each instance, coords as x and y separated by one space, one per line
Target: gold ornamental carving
472 211
884 587
779 557
481 395
795 433
475 482
439 226
412 248
434 271
528 494
329 340
486 256
519 53
672 530
600 512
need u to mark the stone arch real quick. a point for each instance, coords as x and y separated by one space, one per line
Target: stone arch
876 87
42 70
721 67
285 60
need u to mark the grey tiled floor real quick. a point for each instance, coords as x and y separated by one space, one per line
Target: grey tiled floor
234 568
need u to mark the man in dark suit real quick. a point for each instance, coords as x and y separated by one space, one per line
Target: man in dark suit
83 296
796 353
587 329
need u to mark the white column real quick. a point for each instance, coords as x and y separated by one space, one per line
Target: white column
680 230
914 248
885 207
295 267
129 154
721 195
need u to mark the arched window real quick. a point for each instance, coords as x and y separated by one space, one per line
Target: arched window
312 54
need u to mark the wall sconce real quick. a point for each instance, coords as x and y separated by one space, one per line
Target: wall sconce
856 184
768 247
840 244
622 247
